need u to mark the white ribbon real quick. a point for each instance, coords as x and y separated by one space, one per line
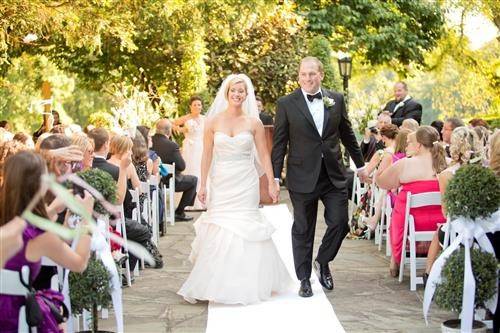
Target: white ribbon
467 231
103 252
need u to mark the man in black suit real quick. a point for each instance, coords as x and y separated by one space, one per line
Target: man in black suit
264 117
169 153
403 106
136 232
312 121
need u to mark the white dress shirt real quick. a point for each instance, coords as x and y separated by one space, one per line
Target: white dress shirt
317 110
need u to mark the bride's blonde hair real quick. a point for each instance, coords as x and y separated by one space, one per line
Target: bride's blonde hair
464 145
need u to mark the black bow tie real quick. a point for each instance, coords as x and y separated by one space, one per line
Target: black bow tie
313 97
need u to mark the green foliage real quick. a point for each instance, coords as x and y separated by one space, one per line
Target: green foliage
20 89
383 32
449 292
268 50
101 119
102 182
474 192
92 287
320 48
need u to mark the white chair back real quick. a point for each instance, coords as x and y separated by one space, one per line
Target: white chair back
154 183
170 193
416 201
10 284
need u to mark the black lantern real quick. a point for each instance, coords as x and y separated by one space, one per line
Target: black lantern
345 67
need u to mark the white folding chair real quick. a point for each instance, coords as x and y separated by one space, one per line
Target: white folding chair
409 233
383 226
170 193
154 183
10 284
120 227
56 280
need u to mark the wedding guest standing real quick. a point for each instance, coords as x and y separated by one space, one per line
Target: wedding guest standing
192 147
403 106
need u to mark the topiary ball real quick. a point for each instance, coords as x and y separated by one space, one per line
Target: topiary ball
448 294
91 286
102 182
474 192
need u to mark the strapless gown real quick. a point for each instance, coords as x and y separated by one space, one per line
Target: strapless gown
234 258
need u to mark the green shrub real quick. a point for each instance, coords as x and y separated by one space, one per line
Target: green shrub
102 182
449 292
474 192
90 289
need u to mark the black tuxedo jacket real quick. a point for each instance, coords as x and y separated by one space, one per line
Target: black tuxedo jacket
101 163
294 127
410 109
169 153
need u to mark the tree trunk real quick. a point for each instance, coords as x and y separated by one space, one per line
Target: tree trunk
95 318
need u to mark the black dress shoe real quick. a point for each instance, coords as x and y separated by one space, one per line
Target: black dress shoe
324 275
305 288
183 217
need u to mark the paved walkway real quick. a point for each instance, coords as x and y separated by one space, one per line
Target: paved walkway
365 299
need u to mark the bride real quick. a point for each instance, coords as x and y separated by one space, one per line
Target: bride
234 258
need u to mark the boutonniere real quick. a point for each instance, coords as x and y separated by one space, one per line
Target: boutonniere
328 101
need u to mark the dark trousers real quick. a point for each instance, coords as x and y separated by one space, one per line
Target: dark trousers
305 211
187 185
138 233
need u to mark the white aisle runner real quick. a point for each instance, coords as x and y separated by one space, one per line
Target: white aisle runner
286 312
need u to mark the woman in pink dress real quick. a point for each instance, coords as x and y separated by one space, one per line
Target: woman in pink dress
417 174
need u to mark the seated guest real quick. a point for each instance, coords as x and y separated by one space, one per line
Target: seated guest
135 231
410 124
264 117
372 141
8 149
483 134
438 125
5 124
141 162
494 161
24 171
86 146
11 239
494 238
464 148
403 106
120 147
449 125
478 122
25 139
417 174
153 156
169 153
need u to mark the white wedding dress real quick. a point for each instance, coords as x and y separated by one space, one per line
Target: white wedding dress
235 260
192 149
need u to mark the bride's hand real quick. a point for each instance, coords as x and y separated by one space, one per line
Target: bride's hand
274 191
202 194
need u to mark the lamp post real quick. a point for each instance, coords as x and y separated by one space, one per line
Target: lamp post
345 69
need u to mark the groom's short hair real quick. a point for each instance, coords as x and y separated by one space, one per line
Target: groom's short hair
314 60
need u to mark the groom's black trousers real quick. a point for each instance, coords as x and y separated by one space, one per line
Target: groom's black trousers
305 211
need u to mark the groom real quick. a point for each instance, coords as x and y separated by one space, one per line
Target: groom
312 121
